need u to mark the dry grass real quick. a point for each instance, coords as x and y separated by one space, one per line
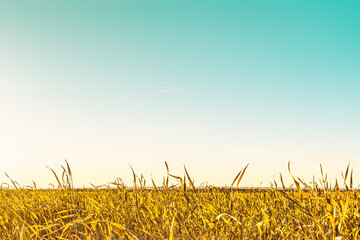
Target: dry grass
180 212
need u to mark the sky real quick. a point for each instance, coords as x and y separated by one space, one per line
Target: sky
212 85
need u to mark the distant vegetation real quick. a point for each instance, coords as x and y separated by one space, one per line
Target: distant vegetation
180 211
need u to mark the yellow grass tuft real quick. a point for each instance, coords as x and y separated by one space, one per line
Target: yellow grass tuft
115 211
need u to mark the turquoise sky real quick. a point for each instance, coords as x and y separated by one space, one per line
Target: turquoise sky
210 84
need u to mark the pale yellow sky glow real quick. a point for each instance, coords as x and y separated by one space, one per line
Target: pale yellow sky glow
108 85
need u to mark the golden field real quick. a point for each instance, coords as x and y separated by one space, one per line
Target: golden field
180 211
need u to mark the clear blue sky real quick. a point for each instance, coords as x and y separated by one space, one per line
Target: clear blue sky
210 84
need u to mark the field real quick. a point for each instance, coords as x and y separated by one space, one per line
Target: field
180 211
